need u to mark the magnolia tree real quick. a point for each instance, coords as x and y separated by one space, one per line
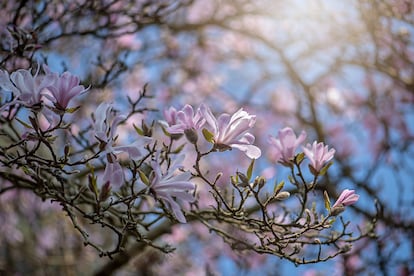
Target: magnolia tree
198 137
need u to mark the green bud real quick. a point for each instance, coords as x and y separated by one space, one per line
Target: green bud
279 187
93 187
327 201
250 170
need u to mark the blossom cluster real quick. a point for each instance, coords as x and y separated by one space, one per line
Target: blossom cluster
29 89
225 132
105 127
232 131
287 143
147 179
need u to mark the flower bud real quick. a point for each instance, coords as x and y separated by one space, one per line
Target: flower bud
105 191
110 157
66 150
260 181
337 210
244 181
282 195
221 147
176 136
346 248
191 135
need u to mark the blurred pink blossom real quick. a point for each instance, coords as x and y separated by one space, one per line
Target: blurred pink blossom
129 41
343 141
283 101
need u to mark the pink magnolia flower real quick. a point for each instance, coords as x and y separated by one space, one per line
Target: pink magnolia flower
170 115
113 174
105 132
232 131
286 144
26 88
172 186
346 198
318 155
64 88
184 119
48 120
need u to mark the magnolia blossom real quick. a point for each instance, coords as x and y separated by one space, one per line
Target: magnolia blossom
184 119
64 88
318 154
113 174
105 132
48 120
232 131
346 198
170 186
286 144
170 116
26 88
